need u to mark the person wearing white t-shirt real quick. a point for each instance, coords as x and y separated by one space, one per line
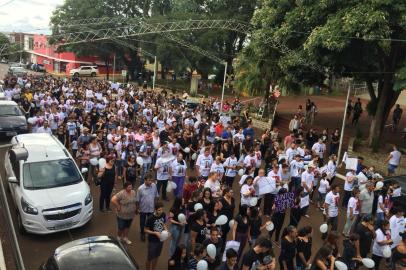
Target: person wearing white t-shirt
249 172
393 160
296 168
382 207
213 184
203 163
250 160
308 179
350 178
352 211
178 172
247 191
324 187
318 149
381 242
230 166
397 225
218 168
45 128
331 208
268 186
162 167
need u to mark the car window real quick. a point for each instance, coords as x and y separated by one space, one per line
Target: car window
10 110
85 68
49 174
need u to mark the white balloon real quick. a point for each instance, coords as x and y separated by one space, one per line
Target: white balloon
324 228
340 265
187 150
31 120
169 187
379 185
270 226
102 163
140 161
221 220
202 265
387 252
231 223
241 172
164 235
253 201
211 251
173 184
368 263
94 161
194 156
182 218
198 206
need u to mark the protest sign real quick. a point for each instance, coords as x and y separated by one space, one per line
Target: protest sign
284 201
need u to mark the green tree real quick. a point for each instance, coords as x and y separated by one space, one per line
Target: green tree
345 38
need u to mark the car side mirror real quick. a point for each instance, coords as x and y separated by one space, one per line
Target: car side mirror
84 170
13 180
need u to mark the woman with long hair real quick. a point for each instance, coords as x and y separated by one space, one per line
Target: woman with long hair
382 240
304 248
288 249
332 240
207 201
176 226
107 176
228 203
241 228
324 259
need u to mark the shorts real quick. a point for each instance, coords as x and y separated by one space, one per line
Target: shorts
154 250
392 168
123 224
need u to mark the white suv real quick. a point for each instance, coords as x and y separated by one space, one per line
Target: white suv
85 71
47 188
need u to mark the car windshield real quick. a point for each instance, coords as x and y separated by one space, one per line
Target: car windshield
10 110
50 174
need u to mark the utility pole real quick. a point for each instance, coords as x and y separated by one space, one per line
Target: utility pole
21 47
224 85
155 72
114 66
343 124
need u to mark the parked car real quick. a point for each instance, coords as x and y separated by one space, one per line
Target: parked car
17 71
12 119
46 185
91 253
38 67
84 71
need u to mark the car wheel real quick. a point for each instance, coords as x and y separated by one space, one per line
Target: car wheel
93 74
76 74
20 225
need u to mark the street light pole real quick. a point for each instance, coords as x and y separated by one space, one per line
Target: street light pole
155 71
114 66
224 84
343 124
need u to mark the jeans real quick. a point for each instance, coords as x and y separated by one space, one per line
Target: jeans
379 218
145 168
348 224
377 259
179 181
347 196
143 219
176 232
119 165
163 184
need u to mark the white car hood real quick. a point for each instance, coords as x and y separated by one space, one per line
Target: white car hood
57 197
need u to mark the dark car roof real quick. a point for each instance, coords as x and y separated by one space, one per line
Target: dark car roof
99 252
401 179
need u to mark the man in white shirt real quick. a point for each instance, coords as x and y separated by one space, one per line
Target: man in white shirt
393 160
331 208
350 178
296 167
266 186
318 149
162 167
203 163
291 152
397 226
45 128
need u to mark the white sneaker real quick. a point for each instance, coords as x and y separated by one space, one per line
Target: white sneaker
127 241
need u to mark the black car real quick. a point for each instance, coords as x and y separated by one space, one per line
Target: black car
12 119
92 253
398 202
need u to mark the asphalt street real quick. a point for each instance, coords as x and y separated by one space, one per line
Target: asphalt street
36 249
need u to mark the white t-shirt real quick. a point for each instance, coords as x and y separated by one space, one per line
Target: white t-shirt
178 169
395 159
376 248
319 149
250 161
380 201
305 201
162 172
246 199
324 186
307 178
397 225
214 187
354 204
217 168
204 164
265 185
242 179
230 162
274 178
295 167
332 200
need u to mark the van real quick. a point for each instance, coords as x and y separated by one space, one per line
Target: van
46 185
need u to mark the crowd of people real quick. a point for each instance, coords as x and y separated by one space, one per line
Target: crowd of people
231 186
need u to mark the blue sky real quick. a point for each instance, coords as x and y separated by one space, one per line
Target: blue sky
26 15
